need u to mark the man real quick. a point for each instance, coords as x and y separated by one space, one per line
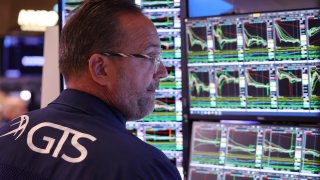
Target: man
109 56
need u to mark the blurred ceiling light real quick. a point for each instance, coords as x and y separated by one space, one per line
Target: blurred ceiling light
37 20
25 95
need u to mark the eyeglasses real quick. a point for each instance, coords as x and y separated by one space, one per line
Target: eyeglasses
156 59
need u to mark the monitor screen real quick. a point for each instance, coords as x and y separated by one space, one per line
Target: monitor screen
201 8
260 65
163 127
166 136
251 151
67 7
22 55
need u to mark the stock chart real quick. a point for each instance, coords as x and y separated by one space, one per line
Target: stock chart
197 41
256 40
225 42
313 37
263 64
163 127
248 151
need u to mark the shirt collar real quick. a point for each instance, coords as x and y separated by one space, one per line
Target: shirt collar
89 104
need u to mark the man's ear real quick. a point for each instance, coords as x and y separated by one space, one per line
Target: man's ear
98 67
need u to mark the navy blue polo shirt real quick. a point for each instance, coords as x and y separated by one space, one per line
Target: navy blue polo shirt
78 136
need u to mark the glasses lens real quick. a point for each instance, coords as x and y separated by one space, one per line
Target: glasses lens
157 62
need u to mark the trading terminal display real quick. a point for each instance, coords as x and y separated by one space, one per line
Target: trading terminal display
163 127
256 34
263 64
225 41
68 6
166 17
314 36
199 40
244 151
166 136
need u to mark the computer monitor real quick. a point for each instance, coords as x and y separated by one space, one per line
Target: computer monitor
263 66
166 136
163 127
252 151
22 55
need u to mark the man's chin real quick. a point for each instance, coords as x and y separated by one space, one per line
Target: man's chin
141 115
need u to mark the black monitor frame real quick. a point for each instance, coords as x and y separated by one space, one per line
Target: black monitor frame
234 122
288 117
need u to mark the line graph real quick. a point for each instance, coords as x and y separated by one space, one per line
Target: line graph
201 87
225 42
228 83
314 74
197 38
255 41
315 81
287 33
255 35
258 83
172 81
314 37
199 84
225 37
290 82
163 21
171 74
314 31
311 161
166 108
255 150
162 138
166 104
241 147
167 42
206 145
279 148
170 45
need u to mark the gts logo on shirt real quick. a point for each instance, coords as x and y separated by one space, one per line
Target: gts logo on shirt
76 135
